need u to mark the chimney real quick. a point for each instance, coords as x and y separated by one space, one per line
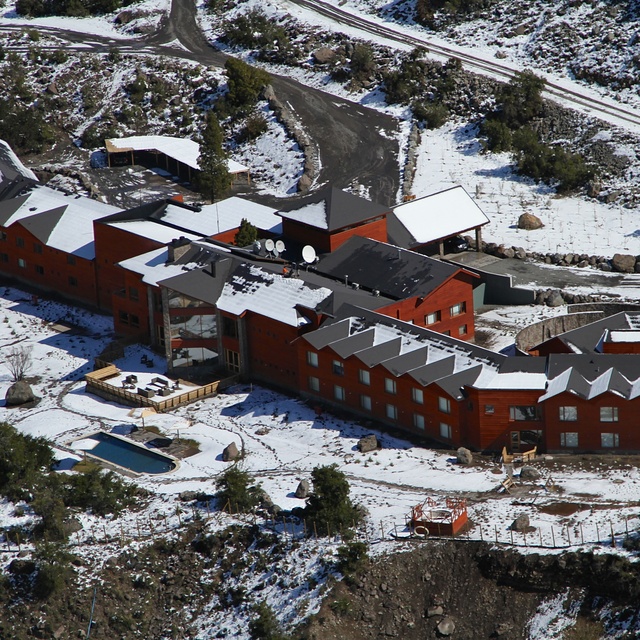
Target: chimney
177 248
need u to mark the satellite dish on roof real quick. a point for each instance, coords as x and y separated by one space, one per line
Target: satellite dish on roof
269 244
308 254
279 246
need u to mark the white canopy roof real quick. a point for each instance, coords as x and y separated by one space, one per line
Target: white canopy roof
180 149
440 215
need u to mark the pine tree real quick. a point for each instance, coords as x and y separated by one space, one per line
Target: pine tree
213 180
247 234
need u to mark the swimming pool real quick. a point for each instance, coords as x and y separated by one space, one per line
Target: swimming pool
129 455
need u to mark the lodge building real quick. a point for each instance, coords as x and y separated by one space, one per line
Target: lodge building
370 328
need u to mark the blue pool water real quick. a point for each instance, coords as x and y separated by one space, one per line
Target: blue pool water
129 455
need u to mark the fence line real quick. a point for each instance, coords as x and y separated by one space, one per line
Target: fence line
96 384
292 528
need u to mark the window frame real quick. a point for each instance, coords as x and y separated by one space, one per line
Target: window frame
446 431
516 410
337 368
339 393
417 395
312 359
391 411
364 377
432 318
313 383
615 440
565 436
418 421
458 309
365 402
613 414
444 405
568 413
390 386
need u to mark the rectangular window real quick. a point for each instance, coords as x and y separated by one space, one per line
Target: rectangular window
73 282
338 368
608 414
569 439
37 248
417 395
229 327
160 334
568 414
338 393
445 430
432 318
3 236
390 385
40 269
462 331
71 259
457 309
232 360
365 402
444 405
133 293
314 383
134 321
364 377
489 409
22 263
524 413
124 317
418 421
312 359
392 412
4 257
609 440
20 242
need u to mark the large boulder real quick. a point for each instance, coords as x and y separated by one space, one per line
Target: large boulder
623 262
529 474
529 222
446 626
19 393
464 456
230 452
555 299
368 443
521 523
303 489
324 55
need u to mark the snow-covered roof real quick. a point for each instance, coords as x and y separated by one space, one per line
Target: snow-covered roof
406 349
152 230
333 209
632 335
61 221
515 380
153 267
180 149
269 294
223 216
11 166
440 215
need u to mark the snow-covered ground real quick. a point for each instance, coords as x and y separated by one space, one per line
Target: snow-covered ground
283 440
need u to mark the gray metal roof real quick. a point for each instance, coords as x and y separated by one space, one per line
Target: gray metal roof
325 335
394 272
407 361
357 342
341 209
42 224
380 352
433 371
9 207
453 384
